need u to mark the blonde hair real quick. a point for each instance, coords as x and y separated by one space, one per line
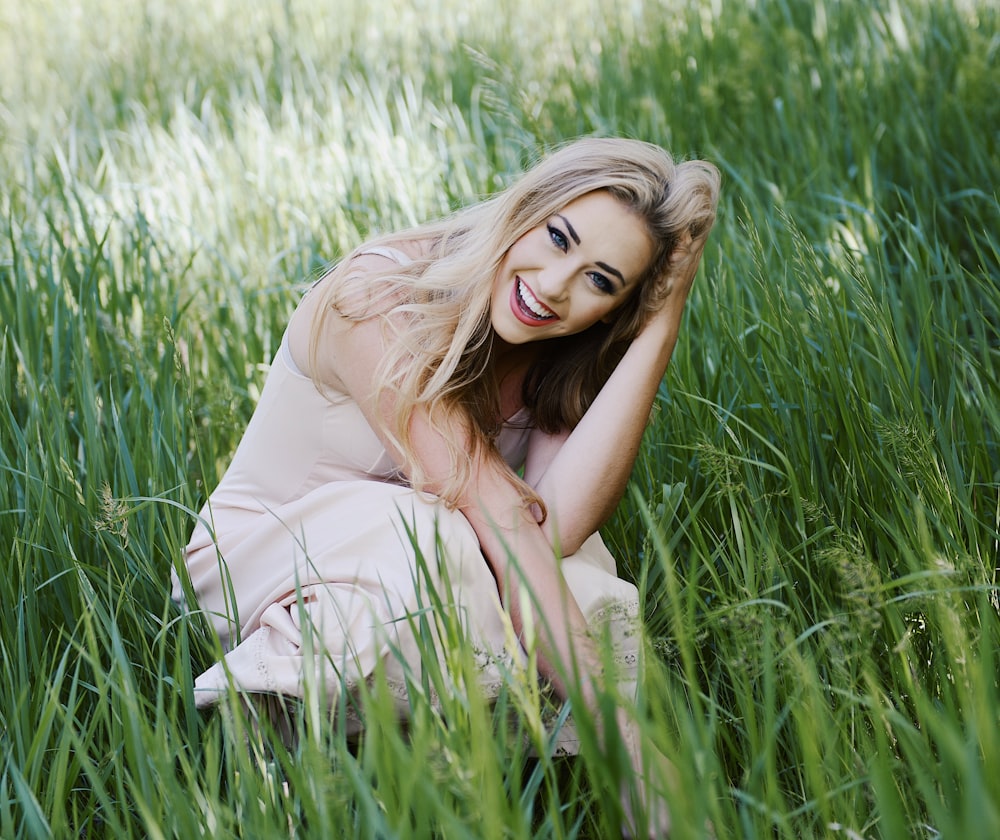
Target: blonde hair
439 347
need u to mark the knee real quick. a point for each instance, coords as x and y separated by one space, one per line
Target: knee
438 532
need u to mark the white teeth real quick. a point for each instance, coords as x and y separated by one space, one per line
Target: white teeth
530 301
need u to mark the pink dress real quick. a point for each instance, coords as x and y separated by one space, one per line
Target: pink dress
303 558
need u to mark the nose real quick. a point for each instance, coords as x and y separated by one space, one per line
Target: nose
554 281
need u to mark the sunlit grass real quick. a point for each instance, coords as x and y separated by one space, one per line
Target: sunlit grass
814 517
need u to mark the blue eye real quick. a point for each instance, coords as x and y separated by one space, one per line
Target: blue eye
601 283
558 238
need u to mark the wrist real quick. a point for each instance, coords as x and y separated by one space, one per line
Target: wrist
659 332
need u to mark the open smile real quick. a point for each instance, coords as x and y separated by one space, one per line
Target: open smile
527 308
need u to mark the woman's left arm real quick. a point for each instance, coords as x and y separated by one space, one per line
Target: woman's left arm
582 475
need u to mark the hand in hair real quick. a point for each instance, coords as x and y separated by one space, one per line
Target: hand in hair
684 262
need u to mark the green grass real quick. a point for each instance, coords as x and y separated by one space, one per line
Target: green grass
814 520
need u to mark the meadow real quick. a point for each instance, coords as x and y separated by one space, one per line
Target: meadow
814 519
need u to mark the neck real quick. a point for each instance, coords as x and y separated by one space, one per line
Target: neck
510 363
506 358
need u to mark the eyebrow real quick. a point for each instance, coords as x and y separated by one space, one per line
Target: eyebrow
569 227
611 270
576 238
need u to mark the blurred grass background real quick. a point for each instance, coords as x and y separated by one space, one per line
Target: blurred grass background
814 517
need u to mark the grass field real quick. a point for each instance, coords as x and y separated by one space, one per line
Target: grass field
814 520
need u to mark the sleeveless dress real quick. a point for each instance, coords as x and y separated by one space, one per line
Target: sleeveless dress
316 564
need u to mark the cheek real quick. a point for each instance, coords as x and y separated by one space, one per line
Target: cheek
625 310
619 309
522 247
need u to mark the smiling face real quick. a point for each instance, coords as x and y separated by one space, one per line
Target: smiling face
570 272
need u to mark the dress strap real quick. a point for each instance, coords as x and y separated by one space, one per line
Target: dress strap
388 252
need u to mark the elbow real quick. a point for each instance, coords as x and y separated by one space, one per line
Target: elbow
565 541
567 533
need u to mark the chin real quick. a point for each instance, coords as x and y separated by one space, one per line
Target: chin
505 334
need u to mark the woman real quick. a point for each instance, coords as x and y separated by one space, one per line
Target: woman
473 391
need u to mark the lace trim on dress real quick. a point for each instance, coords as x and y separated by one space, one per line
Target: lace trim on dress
558 735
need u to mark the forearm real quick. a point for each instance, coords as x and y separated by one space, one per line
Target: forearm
543 611
586 479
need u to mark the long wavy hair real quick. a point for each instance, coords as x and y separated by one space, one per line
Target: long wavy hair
436 310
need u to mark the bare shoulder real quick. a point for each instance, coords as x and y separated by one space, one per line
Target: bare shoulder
399 251
357 301
416 249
